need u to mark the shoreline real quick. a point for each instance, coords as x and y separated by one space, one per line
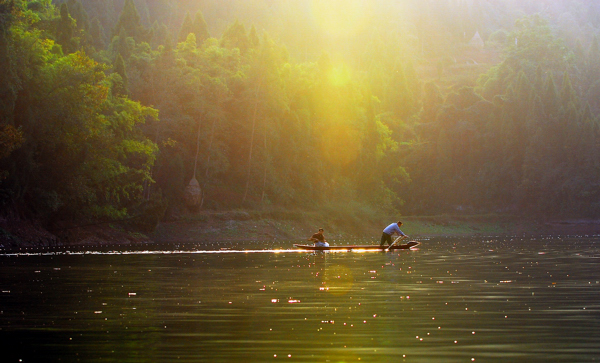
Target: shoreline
232 226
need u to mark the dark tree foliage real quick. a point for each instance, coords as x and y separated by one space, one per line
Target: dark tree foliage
97 36
73 148
528 151
236 37
65 30
384 111
200 28
120 86
129 21
186 28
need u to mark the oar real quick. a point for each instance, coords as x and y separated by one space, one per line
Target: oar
400 238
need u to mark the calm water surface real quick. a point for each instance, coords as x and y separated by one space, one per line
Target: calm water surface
452 300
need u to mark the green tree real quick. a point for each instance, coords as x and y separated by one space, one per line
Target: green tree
567 93
82 150
186 28
432 102
200 28
97 35
130 22
78 13
120 85
236 37
65 30
122 45
253 37
550 98
160 34
400 99
9 83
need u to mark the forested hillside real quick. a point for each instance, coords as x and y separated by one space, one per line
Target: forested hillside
117 109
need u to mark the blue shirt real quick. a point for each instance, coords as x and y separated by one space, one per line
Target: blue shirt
393 228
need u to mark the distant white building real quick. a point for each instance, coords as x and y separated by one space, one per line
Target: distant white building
476 41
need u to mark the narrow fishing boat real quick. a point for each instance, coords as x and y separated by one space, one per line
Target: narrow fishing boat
405 246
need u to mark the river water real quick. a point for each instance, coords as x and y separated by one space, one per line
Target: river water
450 300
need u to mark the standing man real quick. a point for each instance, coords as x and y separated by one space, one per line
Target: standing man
386 236
319 239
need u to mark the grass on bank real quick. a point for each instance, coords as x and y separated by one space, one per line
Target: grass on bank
339 222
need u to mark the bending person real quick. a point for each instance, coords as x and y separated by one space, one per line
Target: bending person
386 236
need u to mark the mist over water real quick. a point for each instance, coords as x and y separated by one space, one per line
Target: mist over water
451 300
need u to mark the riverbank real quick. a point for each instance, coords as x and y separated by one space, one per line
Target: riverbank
293 226
245 226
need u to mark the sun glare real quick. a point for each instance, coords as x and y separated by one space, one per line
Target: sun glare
342 140
340 18
339 76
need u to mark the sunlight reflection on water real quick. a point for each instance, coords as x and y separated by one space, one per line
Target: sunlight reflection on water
453 300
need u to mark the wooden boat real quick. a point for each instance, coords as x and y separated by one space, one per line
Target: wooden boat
406 246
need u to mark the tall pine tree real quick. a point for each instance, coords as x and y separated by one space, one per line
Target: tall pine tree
186 28
129 21
200 28
65 30
120 88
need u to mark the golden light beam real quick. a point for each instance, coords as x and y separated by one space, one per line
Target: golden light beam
341 17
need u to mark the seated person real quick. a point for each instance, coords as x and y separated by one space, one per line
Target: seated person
319 239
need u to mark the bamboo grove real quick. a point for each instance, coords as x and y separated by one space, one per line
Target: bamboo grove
110 107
